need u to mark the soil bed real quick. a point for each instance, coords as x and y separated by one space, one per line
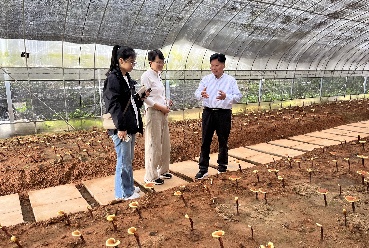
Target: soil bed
287 217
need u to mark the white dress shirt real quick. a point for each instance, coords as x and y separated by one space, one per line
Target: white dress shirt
213 85
151 79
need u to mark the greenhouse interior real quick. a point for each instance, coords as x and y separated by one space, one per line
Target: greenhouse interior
292 59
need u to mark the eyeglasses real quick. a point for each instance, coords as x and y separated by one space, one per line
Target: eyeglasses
133 63
160 62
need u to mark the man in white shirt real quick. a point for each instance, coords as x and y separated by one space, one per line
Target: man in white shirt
218 91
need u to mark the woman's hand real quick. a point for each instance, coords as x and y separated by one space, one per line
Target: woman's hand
147 92
122 134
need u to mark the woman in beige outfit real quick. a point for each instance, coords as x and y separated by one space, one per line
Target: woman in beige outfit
157 141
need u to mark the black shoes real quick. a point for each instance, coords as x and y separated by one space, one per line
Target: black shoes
158 181
222 169
166 176
201 175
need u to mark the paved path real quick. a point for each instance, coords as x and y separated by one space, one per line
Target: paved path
47 202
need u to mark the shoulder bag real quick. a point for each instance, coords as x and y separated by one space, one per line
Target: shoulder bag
107 121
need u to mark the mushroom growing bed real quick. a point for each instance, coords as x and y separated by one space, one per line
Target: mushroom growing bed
285 214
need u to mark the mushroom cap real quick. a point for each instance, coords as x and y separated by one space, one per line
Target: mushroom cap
112 242
133 204
149 185
361 172
254 190
320 225
76 233
236 198
347 159
262 191
60 212
218 234
270 245
255 171
132 230
13 238
322 191
273 170
280 178
187 216
350 198
309 170
177 193
362 141
111 217
234 177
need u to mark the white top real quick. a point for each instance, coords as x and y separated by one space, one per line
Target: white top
151 79
225 83
132 101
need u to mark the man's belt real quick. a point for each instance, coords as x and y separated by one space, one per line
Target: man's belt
214 109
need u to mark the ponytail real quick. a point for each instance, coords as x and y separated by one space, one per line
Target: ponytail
118 52
113 61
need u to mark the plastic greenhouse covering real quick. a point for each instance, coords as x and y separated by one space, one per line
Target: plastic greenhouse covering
54 54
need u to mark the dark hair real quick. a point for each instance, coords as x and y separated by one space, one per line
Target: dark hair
219 56
118 52
153 53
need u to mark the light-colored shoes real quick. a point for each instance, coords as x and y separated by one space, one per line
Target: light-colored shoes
137 190
135 195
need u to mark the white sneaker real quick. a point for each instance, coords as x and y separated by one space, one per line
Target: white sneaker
133 196
137 190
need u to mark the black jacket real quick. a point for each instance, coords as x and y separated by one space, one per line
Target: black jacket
116 94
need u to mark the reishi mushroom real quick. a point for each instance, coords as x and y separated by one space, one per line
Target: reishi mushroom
219 234
133 231
352 199
64 214
234 178
179 193
77 233
15 240
112 242
134 205
112 218
190 219
323 192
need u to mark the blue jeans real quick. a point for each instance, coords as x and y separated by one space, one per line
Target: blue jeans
124 186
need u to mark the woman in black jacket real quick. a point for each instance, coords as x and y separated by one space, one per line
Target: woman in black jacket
122 102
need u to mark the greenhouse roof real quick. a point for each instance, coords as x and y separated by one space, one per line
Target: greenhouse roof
285 35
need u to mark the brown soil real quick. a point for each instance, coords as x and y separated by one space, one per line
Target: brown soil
288 218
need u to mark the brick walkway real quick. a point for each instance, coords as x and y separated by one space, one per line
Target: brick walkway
46 202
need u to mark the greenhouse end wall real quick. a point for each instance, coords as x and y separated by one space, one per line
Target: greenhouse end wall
65 100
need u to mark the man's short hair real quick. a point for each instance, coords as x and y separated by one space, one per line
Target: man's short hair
219 56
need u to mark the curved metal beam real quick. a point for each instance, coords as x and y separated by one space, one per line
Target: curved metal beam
209 21
176 37
224 26
297 41
134 21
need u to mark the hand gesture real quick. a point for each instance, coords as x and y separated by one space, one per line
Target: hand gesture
221 95
204 94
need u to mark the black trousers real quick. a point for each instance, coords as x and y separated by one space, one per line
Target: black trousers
218 120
